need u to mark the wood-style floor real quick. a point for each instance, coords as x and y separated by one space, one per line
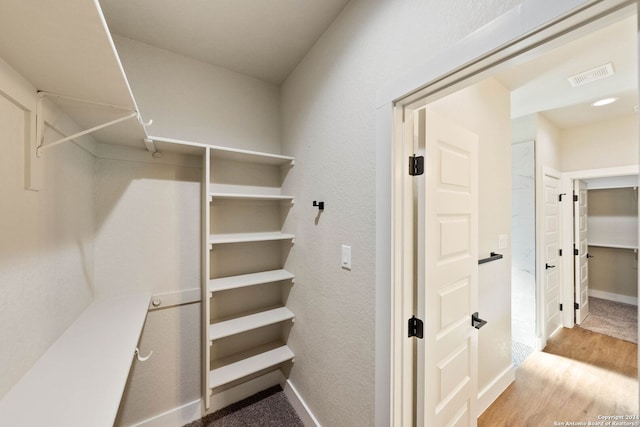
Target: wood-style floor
579 376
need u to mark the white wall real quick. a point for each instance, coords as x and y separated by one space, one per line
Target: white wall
601 144
548 145
46 243
194 101
329 125
147 238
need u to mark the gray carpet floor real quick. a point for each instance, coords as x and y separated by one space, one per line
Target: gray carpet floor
269 408
614 319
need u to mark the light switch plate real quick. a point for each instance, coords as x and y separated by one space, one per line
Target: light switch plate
346 257
503 241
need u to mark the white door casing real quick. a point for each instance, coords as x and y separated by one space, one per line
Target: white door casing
447 273
581 260
551 259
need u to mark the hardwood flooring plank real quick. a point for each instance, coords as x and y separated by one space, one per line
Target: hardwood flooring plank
579 376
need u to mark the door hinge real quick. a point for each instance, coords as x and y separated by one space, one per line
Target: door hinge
415 327
416 165
560 307
575 197
560 252
576 306
576 252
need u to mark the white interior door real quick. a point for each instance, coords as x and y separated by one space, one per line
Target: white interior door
447 273
551 241
581 269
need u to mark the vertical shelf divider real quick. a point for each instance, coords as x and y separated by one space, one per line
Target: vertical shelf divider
206 274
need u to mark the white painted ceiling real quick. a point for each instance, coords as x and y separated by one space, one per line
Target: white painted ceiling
267 39
539 85
263 39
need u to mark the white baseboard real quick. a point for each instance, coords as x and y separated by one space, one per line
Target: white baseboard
175 417
491 392
613 297
245 389
301 407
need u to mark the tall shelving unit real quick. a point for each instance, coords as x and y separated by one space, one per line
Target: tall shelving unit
245 320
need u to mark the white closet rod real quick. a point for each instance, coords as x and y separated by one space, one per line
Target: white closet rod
40 122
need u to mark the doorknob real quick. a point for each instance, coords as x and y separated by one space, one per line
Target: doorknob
476 321
547 266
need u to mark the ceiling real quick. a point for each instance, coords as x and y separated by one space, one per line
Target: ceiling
262 39
266 40
539 85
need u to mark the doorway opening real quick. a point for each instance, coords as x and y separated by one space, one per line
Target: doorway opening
549 312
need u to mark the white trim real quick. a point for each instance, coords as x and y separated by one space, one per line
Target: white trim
495 388
301 407
175 417
625 299
174 298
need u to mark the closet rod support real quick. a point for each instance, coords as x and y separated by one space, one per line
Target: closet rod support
151 147
43 146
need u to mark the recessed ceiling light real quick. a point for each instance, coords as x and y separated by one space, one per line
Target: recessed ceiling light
605 101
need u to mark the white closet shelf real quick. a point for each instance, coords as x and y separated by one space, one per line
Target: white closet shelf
230 153
247 323
218 239
245 280
240 196
250 365
83 374
614 245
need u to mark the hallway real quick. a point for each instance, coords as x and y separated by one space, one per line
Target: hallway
579 376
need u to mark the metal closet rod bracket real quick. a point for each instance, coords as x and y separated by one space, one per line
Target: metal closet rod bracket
40 122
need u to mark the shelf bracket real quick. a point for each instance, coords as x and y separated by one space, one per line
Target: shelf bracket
40 124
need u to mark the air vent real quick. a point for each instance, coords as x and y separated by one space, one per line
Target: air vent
591 75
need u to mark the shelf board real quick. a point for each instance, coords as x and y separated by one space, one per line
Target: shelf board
240 196
242 368
244 280
247 323
614 245
231 153
84 372
73 33
218 239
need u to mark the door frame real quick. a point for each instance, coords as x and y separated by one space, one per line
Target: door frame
528 26
566 184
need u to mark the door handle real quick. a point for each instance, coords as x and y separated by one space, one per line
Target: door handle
547 266
590 256
476 321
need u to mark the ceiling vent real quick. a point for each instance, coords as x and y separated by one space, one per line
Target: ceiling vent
591 75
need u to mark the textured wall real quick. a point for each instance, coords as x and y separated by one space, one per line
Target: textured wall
190 100
147 238
329 124
46 240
